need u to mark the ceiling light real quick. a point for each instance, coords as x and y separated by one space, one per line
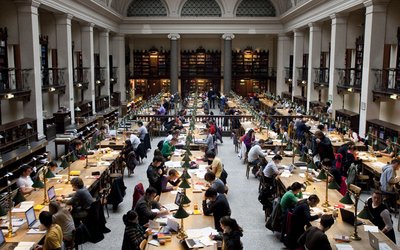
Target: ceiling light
98 82
79 85
290 80
77 109
350 89
304 82
52 89
394 97
112 79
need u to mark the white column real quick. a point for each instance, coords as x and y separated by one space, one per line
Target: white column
174 61
88 61
64 50
314 55
374 40
119 61
298 51
104 45
228 37
337 58
282 62
30 59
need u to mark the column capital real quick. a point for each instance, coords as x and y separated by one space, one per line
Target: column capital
375 6
63 18
174 36
228 36
314 26
104 32
32 3
339 18
369 3
298 32
87 27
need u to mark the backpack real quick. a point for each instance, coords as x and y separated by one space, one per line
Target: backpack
338 161
266 199
274 221
224 176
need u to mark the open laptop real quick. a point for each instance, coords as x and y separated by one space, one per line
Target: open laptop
31 219
375 244
348 217
51 193
193 243
4 244
174 206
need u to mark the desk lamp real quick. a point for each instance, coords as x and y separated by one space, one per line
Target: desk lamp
356 192
10 233
332 185
44 170
65 164
347 199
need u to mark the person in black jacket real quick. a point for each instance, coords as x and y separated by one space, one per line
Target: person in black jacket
231 235
302 216
314 238
145 205
134 233
218 206
322 146
155 174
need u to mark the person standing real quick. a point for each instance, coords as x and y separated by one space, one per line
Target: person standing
211 97
142 131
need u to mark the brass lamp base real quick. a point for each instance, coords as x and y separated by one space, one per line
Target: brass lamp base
355 236
10 234
326 204
181 234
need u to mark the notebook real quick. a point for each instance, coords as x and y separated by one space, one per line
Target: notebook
31 218
51 193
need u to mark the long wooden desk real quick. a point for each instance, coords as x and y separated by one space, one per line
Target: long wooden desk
374 164
339 228
62 188
193 221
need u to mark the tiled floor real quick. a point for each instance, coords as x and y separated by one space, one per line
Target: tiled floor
242 197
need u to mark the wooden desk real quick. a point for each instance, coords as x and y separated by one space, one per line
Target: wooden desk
63 188
374 164
339 228
193 221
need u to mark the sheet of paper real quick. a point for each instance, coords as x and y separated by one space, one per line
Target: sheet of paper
173 164
384 246
285 174
35 231
378 164
343 246
201 232
372 229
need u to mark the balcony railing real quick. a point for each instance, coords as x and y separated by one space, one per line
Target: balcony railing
302 75
321 77
100 74
114 75
288 75
81 76
14 80
349 78
387 80
53 77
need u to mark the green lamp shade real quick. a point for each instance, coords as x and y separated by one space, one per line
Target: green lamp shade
73 157
185 200
322 175
49 175
188 152
186 164
297 151
186 158
18 198
184 184
38 184
185 175
64 164
365 214
289 147
181 213
311 165
3 211
347 199
303 158
281 137
333 185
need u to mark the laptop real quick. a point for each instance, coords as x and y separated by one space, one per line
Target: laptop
51 193
375 244
4 244
174 206
348 217
193 243
31 219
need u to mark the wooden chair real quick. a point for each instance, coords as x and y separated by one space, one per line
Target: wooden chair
143 244
103 197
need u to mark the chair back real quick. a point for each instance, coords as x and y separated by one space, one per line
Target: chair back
137 194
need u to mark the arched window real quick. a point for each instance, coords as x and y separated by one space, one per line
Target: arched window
256 8
201 8
146 8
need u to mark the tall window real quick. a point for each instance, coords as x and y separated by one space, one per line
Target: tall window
256 8
146 8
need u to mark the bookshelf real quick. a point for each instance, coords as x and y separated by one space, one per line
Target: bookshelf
350 117
359 60
151 63
383 130
201 63
17 133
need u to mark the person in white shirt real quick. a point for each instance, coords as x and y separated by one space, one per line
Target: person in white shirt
256 153
25 182
134 140
142 131
353 135
271 170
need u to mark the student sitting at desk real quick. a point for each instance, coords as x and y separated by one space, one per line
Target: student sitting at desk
51 171
80 200
209 141
25 182
381 215
172 178
291 197
256 154
231 234
134 233
354 137
145 205
217 205
389 176
75 148
98 136
315 238
214 182
54 235
216 164
389 150
169 148
271 170
63 218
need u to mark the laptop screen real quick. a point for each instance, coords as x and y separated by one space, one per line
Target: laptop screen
2 240
178 198
30 216
51 193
